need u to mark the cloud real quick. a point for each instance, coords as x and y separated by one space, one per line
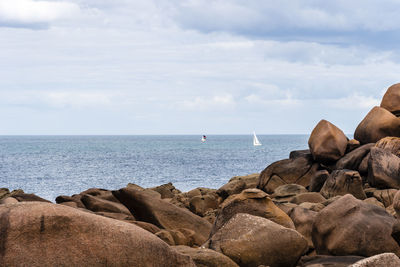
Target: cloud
34 14
218 102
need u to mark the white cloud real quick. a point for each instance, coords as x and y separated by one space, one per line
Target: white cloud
218 102
25 13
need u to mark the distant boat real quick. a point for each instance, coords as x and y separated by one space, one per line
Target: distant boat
203 138
255 140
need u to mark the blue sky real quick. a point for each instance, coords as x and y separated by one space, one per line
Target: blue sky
193 67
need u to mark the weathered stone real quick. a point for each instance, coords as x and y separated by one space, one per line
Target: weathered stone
363 167
46 234
100 193
285 207
312 206
166 236
342 182
352 144
201 204
385 196
312 197
117 216
383 169
252 201
252 241
396 203
231 188
318 180
8 200
250 180
391 99
147 226
204 257
328 261
287 171
166 190
74 198
303 220
378 124
374 201
327 142
286 192
23 197
160 213
300 153
97 204
4 192
391 144
384 259
352 160
349 226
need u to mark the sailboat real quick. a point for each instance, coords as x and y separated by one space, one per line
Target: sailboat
255 140
203 138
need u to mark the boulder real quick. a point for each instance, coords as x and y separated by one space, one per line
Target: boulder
46 234
363 167
250 180
166 190
352 144
312 197
231 188
396 203
391 144
349 226
300 153
383 169
303 220
342 182
328 261
385 196
161 213
201 204
285 193
117 216
318 180
312 206
299 170
173 237
100 193
8 200
327 142
147 226
252 201
374 201
97 204
378 124
23 197
384 259
252 241
391 99
204 257
4 192
352 160
73 198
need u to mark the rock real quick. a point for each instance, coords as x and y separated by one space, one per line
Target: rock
312 197
342 182
201 204
385 196
383 169
250 180
378 124
374 201
352 160
160 213
384 259
166 190
391 144
100 193
172 237
8 200
97 204
318 180
312 206
166 236
391 99
46 234
252 241
231 188
252 201
363 168
300 153
147 226
287 171
328 261
23 197
74 198
303 220
117 216
286 207
396 203
204 257
352 144
327 142
285 193
331 200
4 192
350 226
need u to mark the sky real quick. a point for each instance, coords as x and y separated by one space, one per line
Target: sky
193 67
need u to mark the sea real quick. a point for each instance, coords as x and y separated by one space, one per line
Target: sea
49 166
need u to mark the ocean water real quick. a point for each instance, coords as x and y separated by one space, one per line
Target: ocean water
50 166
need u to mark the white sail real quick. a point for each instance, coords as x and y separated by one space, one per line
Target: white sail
255 140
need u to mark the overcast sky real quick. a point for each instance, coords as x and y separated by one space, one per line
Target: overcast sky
193 67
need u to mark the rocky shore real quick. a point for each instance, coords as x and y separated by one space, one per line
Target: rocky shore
336 203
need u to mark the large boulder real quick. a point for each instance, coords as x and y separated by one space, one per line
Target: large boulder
380 260
349 226
303 220
200 205
161 213
391 99
298 170
353 159
310 197
166 190
252 201
383 169
252 241
101 205
328 261
318 180
250 180
204 257
45 234
378 124
342 182
23 197
385 196
285 193
391 144
327 142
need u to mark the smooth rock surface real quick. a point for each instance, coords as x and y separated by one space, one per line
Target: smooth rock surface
391 99
380 260
342 182
204 257
383 169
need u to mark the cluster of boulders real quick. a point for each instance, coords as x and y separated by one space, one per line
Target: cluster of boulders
334 204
